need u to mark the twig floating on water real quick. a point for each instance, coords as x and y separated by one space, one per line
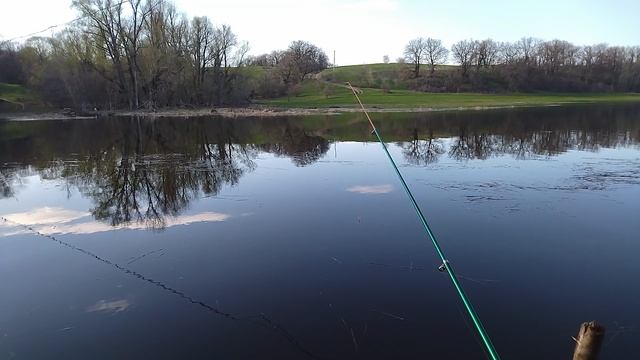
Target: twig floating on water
397 317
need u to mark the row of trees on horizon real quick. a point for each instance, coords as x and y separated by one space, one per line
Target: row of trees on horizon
147 54
530 64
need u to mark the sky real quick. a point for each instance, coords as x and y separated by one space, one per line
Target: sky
363 31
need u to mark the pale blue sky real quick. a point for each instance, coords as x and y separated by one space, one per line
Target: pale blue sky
364 30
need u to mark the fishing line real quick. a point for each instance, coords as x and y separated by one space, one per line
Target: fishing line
67 23
260 320
445 266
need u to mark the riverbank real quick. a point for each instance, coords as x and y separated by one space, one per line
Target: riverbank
395 102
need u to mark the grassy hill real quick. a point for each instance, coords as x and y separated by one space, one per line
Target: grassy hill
15 97
314 94
327 89
393 76
369 76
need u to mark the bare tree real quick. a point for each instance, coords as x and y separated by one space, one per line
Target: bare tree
132 44
486 53
385 59
435 53
240 57
164 59
224 41
509 53
11 69
414 53
103 21
464 54
200 50
275 57
556 54
259 60
528 46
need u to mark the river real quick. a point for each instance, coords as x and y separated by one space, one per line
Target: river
291 237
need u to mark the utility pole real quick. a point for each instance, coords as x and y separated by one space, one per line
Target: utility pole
334 58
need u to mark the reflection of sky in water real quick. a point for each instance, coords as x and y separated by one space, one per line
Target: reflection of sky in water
114 306
371 189
331 251
50 221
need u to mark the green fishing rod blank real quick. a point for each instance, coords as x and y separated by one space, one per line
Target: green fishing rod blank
445 266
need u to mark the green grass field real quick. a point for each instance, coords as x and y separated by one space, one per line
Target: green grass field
13 93
312 96
15 97
375 75
372 77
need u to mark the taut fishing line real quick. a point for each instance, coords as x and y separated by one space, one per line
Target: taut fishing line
445 266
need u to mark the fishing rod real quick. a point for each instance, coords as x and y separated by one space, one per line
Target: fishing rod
445 266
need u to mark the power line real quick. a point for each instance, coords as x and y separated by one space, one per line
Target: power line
66 23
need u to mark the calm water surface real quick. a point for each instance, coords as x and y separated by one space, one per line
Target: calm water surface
291 238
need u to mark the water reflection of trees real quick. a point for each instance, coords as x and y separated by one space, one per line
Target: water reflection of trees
8 178
472 146
425 151
139 170
520 133
147 188
136 183
145 170
304 149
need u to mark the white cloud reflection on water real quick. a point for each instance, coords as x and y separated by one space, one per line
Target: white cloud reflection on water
45 216
371 189
115 306
51 220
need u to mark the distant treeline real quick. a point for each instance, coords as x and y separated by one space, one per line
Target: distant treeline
145 54
526 65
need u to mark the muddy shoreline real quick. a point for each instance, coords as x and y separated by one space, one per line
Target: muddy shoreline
232 112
